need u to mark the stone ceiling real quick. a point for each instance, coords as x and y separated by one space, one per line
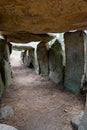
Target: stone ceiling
41 16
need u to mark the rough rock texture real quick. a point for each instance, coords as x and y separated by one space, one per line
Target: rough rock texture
8 72
42 57
83 124
74 69
22 47
29 59
25 58
85 47
6 112
42 16
56 62
1 86
6 127
26 37
76 121
5 68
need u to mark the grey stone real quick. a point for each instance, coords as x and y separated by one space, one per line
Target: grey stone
6 112
56 62
74 69
82 128
7 70
6 127
1 86
42 57
76 121
32 58
26 59
83 124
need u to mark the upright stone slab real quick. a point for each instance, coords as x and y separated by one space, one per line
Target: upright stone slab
74 69
28 58
5 67
42 57
8 73
85 70
25 58
31 54
2 57
56 62
1 86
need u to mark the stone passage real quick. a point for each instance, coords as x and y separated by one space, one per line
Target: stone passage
5 68
56 62
28 57
74 69
42 57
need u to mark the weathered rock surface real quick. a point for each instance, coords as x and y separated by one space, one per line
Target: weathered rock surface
22 47
5 68
29 59
25 37
76 121
6 127
56 62
74 69
8 73
42 16
6 112
25 58
42 57
83 123
1 86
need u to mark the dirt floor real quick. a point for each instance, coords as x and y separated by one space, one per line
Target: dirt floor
38 103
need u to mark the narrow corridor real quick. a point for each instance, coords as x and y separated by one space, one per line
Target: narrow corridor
37 102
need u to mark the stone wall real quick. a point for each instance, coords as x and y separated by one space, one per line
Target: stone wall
28 58
50 60
56 63
74 69
42 57
5 67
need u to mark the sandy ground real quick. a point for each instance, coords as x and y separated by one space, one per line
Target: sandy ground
38 103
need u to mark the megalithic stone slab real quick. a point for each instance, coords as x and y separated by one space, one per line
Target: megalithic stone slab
1 86
33 59
42 57
26 59
74 69
56 62
5 67
8 76
85 37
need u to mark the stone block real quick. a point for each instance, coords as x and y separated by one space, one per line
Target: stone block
42 57
74 69
1 86
56 63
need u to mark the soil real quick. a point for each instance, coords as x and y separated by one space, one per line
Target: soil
38 103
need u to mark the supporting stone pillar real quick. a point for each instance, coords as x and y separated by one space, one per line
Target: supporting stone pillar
1 86
29 59
25 58
56 62
85 46
5 68
42 57
74 69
